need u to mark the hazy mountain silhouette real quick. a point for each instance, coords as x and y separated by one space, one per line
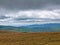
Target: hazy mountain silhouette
52 27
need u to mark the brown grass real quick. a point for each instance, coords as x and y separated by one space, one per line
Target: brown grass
15 38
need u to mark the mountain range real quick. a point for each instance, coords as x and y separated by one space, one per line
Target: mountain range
51 27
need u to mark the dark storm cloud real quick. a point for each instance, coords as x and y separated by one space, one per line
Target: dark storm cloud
32 19
28 4
3 17
35 19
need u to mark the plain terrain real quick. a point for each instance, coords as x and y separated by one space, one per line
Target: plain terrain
31 38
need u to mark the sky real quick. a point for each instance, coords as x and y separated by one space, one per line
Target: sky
27 12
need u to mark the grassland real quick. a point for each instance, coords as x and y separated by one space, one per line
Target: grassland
16 38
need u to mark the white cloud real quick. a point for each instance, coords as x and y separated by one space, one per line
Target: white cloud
51 14
29 17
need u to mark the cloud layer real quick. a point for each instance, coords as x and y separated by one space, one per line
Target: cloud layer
26 12
29 4
29 17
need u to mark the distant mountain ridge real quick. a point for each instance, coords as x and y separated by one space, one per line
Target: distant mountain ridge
51 27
